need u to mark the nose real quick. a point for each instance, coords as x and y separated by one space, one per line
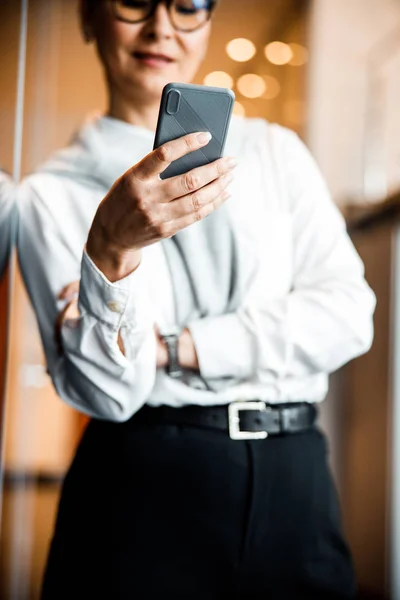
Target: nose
159 26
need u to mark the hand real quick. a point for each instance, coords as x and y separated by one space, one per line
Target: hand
70 311
161 351
70 294
187 354
141 209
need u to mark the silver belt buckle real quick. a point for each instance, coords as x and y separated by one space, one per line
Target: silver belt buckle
234 421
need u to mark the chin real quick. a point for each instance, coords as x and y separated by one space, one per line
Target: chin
152 85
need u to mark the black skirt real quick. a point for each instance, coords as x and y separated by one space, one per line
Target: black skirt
165 511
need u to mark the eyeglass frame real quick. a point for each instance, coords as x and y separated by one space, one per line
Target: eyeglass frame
168 5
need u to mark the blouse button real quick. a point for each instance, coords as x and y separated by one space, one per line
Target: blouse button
114 306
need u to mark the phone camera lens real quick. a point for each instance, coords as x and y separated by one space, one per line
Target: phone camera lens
173 102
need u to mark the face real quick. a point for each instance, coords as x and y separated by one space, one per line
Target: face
141 58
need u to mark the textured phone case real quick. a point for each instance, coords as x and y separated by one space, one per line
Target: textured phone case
201 108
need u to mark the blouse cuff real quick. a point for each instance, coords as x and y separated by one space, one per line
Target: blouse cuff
114 304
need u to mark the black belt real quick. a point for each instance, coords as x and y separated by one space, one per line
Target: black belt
242 420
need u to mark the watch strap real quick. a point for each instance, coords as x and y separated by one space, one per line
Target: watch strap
173 368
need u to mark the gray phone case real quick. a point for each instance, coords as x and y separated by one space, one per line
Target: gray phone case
188 108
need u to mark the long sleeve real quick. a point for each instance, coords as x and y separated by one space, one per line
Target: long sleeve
90 373
324 321
7 217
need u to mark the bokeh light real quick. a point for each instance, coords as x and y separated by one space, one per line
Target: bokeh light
300 55
219 79
239 110
241 49
251 85
278 53
273 87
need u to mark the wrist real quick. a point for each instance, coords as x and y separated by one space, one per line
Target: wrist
162 358
187 354
115 262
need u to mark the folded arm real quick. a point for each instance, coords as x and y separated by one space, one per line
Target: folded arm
91 373
326 318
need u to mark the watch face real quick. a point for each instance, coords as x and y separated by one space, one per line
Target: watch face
171 332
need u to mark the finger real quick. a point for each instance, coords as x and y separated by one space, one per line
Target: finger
58 326
193 202
157 161
69 291
57 331
121 344
70 311
193 180
196 216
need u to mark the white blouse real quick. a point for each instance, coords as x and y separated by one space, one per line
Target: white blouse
308 310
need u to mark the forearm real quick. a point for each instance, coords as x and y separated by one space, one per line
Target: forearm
187 353
305 333
105 385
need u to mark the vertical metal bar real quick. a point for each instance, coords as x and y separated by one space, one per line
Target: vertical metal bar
17 585
394 449
17 157
19 116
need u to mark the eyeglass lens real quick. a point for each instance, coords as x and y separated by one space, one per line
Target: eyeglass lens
186 15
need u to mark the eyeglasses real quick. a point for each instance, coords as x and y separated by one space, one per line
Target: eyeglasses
185 15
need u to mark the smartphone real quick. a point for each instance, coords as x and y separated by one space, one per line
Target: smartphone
189 108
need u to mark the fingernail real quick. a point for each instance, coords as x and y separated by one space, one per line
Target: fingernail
231 162
204 137
226 195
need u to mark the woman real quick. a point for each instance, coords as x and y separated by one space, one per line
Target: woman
181 316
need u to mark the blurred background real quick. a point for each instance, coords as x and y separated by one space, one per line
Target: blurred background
330 70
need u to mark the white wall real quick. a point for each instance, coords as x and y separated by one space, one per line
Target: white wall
354 133
342 131
343 35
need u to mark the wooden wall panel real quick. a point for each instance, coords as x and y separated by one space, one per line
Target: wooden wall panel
367 410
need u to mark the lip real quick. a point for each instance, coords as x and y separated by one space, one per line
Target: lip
153 59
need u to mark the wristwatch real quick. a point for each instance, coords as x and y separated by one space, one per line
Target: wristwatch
171 340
